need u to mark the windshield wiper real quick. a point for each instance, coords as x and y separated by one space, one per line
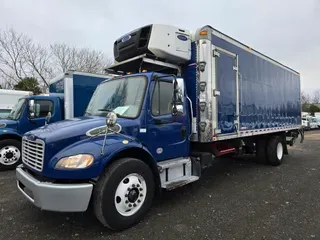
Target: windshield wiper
108 110
105 110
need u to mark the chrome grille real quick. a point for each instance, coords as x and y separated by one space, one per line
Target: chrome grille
33 153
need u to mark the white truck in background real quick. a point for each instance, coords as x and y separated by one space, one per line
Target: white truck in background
8 98
310 122
314 122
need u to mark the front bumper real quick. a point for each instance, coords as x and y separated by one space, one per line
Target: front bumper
52 196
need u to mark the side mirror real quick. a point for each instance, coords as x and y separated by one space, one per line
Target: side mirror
111 119
178 96
31 108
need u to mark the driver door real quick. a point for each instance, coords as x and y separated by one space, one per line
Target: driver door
167 134
42 107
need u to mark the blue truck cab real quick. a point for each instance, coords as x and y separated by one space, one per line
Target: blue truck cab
181 99
32 112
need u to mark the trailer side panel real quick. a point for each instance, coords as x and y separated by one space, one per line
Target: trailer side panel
269 93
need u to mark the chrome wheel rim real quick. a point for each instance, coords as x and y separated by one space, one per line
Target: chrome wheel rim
279 150
130 194
9 155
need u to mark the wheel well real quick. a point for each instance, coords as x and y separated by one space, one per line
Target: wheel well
266 137
10 136
142 155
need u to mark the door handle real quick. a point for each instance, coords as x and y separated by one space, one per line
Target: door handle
160 121
183 132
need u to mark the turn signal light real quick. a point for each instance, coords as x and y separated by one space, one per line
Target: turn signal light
203 33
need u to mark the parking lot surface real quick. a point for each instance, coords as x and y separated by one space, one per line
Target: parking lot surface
235 199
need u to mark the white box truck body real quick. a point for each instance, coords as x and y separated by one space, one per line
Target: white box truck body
8 98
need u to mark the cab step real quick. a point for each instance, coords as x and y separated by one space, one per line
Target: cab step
179 182
175 173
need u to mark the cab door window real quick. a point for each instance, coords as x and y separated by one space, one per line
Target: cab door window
42 107
162 99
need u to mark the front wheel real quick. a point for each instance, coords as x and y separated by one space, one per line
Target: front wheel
10 154
124 193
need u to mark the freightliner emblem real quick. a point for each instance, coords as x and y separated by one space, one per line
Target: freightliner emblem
126 38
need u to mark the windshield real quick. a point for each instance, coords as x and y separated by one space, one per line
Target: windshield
17 110
4 113
124 96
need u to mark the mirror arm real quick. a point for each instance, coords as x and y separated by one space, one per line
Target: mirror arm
174 99
48 118
111 121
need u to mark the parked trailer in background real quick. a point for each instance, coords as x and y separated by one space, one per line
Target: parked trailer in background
8 98
69 96
184 99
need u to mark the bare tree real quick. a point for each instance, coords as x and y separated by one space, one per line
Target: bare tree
6 84
305 98
316 96
305 101
21 58
90 60
80 59
12 62
38 59
63 56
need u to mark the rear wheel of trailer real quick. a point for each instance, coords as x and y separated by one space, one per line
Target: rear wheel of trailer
275 150
270 150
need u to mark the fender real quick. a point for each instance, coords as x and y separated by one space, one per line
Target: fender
7 133
128 147
124 147
135 149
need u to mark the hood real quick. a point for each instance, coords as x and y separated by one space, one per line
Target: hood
71 128
64 133
7 123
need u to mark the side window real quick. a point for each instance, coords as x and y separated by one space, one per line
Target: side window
162 99
42 108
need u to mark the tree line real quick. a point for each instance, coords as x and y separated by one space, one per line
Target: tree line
310 103
27 65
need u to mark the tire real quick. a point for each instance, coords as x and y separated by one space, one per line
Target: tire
261 151
10 154
121 178
275 151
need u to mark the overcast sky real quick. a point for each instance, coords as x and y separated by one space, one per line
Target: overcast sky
287 30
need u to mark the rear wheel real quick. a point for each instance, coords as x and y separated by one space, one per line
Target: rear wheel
261 151
124 193
275 150
10 154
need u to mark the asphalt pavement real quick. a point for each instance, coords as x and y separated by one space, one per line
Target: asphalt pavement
235 199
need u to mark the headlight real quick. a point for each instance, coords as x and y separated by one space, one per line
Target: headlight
74 162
